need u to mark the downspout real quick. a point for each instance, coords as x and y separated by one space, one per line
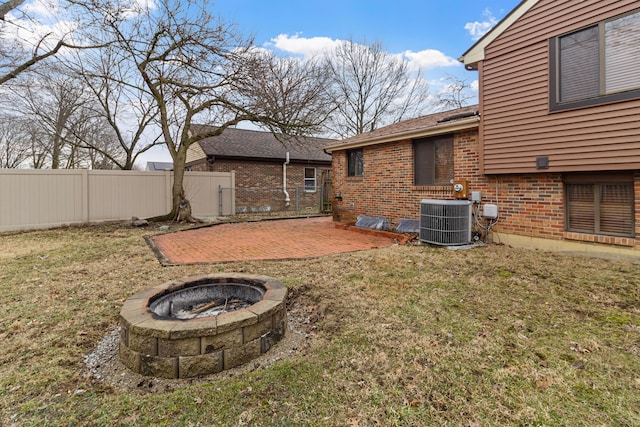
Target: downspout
287 200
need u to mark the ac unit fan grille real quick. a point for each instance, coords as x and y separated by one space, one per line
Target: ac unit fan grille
445 222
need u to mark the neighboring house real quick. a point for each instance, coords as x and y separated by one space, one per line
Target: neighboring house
558 144
159 166
259 161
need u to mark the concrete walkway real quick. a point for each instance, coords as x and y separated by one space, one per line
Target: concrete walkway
264 240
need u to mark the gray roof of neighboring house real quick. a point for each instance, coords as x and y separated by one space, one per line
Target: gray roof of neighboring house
159 166
432 124
236 143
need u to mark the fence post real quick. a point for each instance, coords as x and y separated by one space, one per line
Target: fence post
84 175
219 201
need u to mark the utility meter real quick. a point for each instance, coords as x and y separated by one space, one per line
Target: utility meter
461 189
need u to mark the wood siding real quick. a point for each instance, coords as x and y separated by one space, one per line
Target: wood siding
517 125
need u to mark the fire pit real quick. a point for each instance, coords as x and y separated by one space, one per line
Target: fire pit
201 325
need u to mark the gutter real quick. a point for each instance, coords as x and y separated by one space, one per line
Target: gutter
439 129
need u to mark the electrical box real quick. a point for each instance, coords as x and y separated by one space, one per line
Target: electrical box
490 211
461 189
476 196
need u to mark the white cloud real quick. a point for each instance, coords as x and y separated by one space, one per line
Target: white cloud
429 58
302 46
308 47
36 22
478 29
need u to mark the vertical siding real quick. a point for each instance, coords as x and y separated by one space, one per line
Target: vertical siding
517 125
47 198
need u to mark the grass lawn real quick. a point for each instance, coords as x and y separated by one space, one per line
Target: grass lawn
406 335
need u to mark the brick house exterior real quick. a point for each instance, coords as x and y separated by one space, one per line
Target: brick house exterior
258 158
555 144
531 206
387 186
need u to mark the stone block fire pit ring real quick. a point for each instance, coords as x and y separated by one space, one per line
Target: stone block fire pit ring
183 329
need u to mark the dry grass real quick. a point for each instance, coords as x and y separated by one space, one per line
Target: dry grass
402 336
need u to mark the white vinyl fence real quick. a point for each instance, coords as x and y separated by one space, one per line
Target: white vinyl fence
32 199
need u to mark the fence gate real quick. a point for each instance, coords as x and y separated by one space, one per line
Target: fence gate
327 194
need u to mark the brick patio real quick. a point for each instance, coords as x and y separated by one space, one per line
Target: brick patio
265 240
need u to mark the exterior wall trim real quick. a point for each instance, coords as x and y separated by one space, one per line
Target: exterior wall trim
449 127
475 54
570 247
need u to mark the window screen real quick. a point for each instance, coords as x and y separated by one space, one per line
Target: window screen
596 64
622 53
309 179
579 65
355 162
433 160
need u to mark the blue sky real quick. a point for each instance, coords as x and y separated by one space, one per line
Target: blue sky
430 35
423 30
433 34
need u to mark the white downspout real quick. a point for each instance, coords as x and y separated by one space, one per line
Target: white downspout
287 200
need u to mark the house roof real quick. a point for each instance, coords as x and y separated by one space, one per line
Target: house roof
420 127
159 166
475 53
242 143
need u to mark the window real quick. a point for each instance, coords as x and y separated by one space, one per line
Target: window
596 64
355 162
310 179
433 160
600 204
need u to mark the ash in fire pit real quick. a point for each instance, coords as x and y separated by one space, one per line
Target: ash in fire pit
201 325
206 300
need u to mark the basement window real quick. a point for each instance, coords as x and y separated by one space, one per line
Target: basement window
600 204
597 64
433 160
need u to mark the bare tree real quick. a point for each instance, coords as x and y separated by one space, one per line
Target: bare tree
455 94
372 88
17 57
123 101
54 101
198 69
14 146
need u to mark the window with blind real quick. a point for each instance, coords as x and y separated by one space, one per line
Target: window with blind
596 64
433 160
600 204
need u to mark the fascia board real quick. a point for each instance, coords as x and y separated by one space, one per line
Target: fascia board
458 125
476 52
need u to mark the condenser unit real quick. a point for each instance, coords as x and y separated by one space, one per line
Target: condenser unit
445 222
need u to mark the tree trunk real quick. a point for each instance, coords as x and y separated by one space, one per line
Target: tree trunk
181 207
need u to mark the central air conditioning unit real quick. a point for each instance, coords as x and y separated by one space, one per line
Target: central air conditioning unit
445 222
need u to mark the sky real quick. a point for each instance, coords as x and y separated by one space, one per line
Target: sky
431 34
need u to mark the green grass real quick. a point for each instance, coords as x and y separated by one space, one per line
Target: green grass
401 336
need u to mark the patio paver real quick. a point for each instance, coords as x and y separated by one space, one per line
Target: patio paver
264 240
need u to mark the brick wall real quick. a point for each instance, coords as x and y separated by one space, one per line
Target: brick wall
528 205
259 184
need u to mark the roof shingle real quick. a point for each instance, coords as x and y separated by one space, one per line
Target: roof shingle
243 143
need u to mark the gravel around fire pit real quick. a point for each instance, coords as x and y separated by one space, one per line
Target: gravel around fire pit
104 364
